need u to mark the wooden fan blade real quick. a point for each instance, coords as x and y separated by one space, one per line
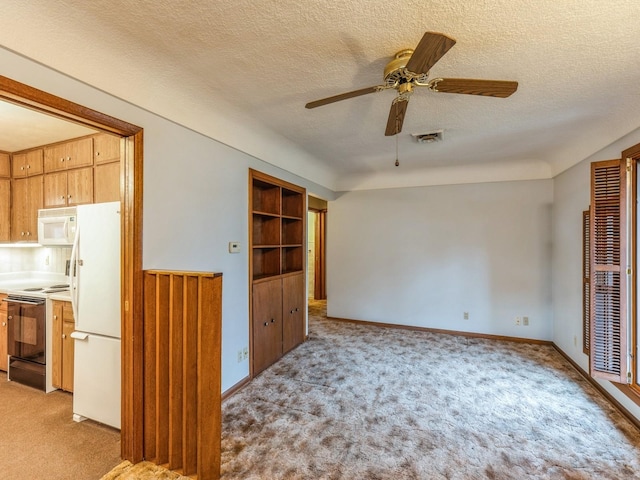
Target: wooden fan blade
396 117
342 96
469 86
430 49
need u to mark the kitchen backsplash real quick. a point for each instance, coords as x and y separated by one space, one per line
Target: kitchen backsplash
34 259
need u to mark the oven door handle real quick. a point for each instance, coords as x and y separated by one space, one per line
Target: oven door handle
25 302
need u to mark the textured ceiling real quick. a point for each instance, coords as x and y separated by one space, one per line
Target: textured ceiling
241 72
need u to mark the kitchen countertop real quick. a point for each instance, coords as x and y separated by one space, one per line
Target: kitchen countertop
20 280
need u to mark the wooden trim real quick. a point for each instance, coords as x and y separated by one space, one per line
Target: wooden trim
236 388
486 336
38 100
600 389
131 260
320 267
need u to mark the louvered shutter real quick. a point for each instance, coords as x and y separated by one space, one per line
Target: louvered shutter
608 286
586 283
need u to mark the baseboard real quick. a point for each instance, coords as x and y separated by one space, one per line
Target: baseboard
236 388
599 387
487 336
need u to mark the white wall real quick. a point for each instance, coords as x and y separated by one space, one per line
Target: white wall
571 198
195 198
422 256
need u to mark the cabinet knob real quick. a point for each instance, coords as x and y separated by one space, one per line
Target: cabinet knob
28 166
291 311
10 317
62 159
266 324
64 336
61 197
68 196
273 320
4 324
22 168
55 317
297 309
22 234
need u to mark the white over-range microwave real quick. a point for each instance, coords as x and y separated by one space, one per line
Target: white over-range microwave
56 226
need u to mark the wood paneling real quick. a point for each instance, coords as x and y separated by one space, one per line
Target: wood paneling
182 402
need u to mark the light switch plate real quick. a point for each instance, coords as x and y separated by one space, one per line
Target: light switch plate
234 247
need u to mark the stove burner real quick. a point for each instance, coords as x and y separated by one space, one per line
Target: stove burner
33 289
62 285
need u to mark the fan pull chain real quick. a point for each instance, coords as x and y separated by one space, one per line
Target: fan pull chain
397 161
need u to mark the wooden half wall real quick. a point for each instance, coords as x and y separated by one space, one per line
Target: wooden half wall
182 371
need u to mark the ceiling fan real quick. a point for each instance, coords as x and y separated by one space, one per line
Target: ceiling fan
410 68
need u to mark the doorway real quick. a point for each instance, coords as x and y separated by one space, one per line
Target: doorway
131 257
316 241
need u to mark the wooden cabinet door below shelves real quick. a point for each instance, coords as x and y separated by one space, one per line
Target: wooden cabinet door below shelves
293 306
267 324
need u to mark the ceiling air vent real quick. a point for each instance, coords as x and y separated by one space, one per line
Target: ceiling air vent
430 137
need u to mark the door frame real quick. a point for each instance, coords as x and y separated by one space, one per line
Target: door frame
131 182
320 254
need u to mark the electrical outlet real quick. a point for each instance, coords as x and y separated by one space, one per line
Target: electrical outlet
465 315
518 320
245 353
525 321
239 356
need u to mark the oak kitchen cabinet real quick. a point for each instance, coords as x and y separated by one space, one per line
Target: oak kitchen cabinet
26 164
72 187
26 194
63 348
27 199
107 168
277 245
3 334
72 154
5 197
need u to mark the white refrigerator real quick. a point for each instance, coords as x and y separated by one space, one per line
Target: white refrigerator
94 276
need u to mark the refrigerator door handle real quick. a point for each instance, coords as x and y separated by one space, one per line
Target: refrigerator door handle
74 274
79 335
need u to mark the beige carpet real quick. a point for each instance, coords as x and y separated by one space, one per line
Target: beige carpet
40 441
362 402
